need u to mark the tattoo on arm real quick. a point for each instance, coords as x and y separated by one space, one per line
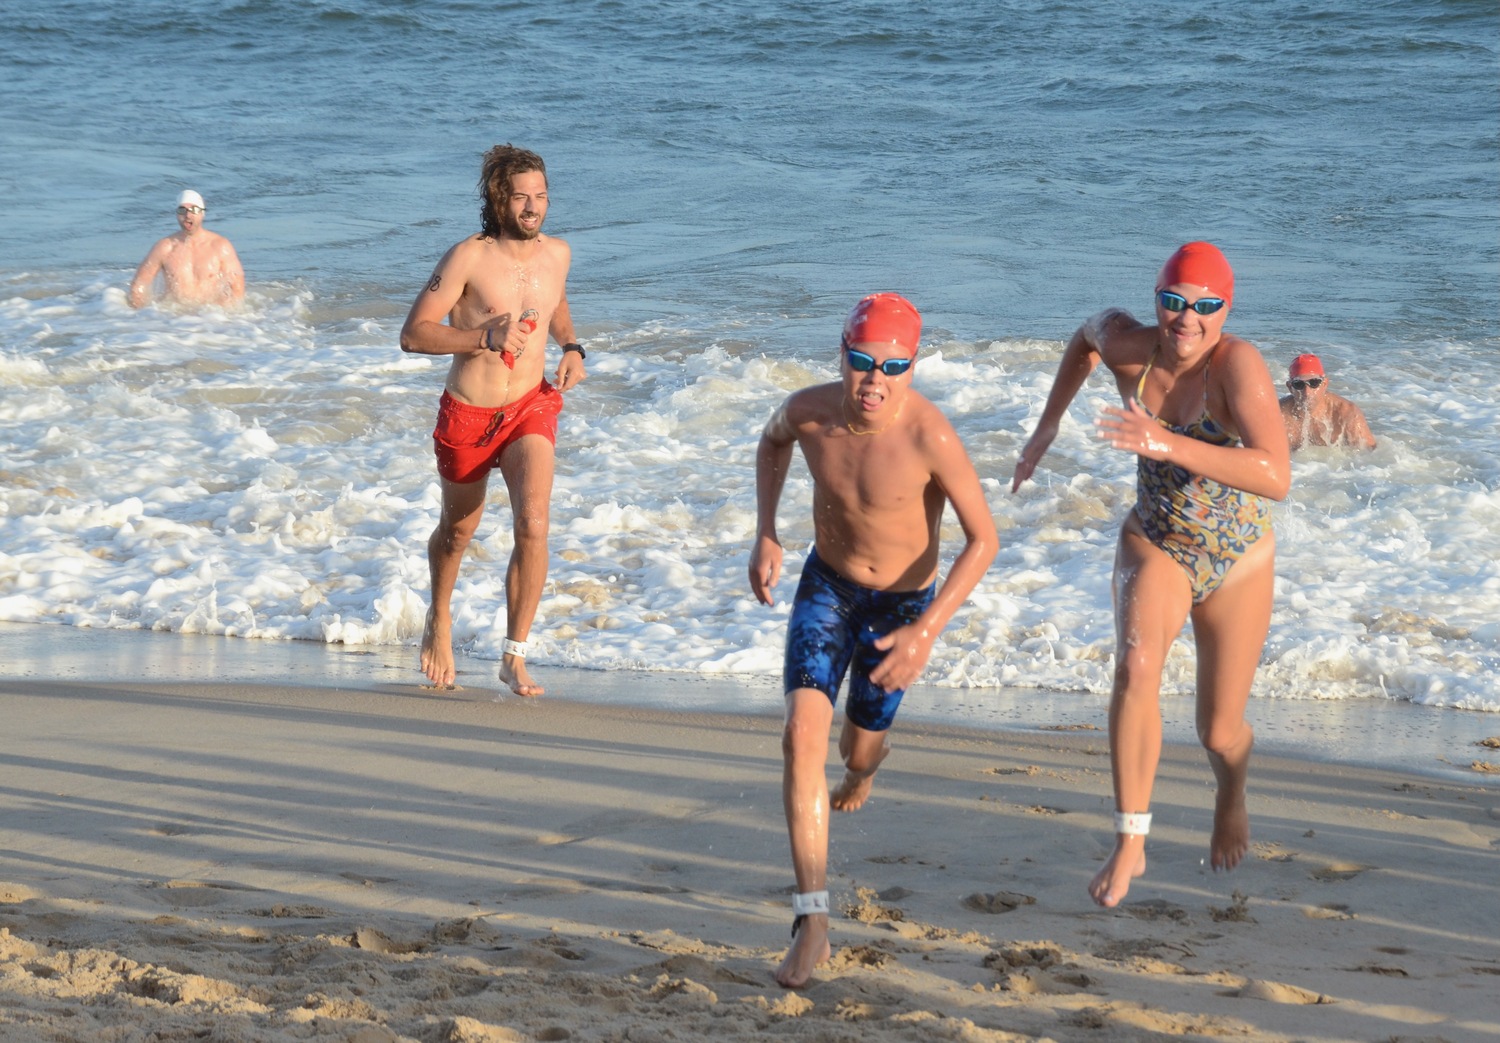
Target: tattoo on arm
434 283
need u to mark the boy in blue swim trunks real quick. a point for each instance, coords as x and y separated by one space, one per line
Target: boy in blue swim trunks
884 463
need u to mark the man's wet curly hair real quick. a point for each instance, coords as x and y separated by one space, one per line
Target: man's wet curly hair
501 164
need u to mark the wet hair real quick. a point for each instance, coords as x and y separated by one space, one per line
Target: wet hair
501 164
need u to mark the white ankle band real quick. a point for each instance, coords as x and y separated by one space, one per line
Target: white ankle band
809 903
1133 825
515 648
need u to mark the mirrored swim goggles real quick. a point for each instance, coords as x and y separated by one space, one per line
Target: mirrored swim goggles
862 363
1299 383
1170 301
183 211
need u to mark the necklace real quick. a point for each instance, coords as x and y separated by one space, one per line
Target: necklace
849 424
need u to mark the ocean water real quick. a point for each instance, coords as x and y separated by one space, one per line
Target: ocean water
732 177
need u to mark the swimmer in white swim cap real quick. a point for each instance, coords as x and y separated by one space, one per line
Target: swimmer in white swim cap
197 267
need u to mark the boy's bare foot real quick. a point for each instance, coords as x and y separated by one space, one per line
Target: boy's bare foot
1127 862
437 650
854 789
809 948
513 673
1231 837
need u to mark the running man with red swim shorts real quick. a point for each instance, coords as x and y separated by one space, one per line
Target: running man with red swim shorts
491 304
469 440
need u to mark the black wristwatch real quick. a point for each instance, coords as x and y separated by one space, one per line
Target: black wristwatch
575 347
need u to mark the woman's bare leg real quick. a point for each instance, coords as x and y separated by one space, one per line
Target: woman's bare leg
1230 628
1152 597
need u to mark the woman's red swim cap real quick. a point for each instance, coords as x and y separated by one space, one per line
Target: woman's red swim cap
1199 264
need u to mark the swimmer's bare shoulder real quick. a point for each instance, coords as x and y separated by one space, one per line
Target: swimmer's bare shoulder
1117 335
803 412
930 427
558 248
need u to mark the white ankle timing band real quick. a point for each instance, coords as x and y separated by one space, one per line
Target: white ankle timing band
1137 824
809 903
515 648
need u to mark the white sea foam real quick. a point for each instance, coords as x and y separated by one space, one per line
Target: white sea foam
261 474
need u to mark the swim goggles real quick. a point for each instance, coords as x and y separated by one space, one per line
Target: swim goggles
1170 301
1298 383
185 210
862 363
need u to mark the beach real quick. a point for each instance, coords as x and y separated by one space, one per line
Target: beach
230 811
341 853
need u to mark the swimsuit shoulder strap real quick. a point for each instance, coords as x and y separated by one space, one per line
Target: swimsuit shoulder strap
1140 385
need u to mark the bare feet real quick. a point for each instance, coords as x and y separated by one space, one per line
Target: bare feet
1231 837
437 650
513 673
854 789
1126 863
809 948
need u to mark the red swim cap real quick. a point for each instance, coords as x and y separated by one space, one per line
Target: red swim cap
884 318
1306 366
1199 264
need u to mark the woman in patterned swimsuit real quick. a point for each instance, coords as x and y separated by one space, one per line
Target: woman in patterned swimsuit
1200 413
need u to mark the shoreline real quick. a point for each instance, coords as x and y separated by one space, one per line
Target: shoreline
1441 742
285 860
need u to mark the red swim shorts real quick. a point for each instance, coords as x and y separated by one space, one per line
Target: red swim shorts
469 439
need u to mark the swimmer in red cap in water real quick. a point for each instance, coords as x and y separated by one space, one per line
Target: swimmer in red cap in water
1199 413
884 463
1314 415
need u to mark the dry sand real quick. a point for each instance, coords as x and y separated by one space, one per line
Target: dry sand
288 861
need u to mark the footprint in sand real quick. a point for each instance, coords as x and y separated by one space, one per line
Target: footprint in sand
195 893
371 940
466 930
1037 954
1143 953
699 968
1385 970
292 912
561 947
865 956
1238 911
999 902
1156 909
1272 852
1335 872
170 829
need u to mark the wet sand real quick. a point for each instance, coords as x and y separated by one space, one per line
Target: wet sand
333 851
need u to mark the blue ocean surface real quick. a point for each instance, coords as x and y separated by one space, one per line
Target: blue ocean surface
731 178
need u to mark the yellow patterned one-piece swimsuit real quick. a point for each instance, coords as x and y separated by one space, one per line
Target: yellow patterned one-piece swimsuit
1206 527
